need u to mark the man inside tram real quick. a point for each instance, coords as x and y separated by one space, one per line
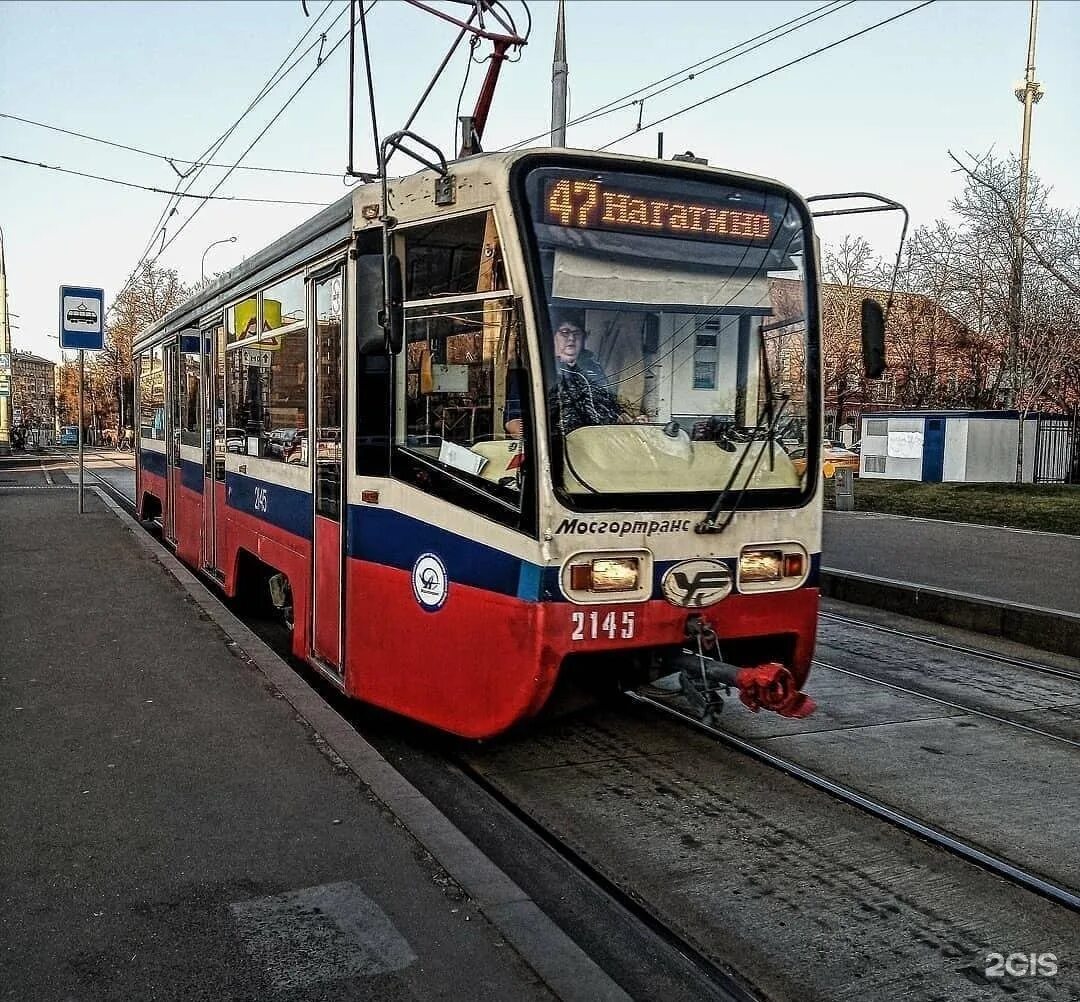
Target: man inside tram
584 394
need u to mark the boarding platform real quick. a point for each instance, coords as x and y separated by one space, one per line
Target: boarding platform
185 818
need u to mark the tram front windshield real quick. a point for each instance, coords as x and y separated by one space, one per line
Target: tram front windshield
676 341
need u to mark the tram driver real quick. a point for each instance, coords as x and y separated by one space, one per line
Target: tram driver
582 393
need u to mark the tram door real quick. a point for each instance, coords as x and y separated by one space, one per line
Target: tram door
172 439
213 342
325 452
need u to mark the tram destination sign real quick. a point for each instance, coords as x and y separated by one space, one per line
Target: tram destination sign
82 318
589 204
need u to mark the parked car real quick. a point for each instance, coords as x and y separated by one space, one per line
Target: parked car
279 442
832 454
235 440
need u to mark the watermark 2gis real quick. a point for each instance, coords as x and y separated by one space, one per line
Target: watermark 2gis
1021 965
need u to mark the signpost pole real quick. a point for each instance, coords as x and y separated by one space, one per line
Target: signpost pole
82 327
82 370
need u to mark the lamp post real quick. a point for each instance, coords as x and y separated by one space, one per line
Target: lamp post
202 267
5 349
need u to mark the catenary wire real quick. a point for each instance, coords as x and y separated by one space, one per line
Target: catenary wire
325 59
768 73
171 205
732 52
156 191
158 156
272 81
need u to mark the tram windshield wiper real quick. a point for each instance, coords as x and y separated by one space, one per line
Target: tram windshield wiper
767 421
709 523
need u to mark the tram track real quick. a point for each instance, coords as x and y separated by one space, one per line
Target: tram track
1004 659
939 837
710 971
962 707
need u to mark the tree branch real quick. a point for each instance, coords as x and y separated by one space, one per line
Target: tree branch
1073 285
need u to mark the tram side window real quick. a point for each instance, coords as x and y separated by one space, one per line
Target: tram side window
266 374
454 389
453 407
152 394
190 399
454 257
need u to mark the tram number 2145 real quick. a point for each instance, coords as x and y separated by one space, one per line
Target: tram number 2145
598 625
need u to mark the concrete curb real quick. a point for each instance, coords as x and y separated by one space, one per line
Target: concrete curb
558 961
1047 629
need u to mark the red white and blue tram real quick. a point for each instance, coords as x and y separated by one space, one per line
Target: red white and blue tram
381 419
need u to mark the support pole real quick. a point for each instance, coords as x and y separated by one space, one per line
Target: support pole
82 372
559 74
1028 95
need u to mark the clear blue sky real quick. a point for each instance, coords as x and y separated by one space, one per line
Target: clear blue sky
878 113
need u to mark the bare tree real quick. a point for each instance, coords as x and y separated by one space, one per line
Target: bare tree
152 294
849 271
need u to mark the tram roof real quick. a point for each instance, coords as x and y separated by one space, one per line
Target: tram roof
333 225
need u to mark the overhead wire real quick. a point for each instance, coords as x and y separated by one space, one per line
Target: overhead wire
768 73
158 156
265 129
732 52
145 187
159 227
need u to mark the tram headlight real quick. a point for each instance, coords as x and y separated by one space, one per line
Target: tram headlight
761 565
779 566
606 574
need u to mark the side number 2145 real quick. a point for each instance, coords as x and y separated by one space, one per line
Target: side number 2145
598 625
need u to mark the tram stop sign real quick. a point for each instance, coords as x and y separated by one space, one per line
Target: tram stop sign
82 318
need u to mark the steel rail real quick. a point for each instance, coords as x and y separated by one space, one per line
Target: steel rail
946 645
726 982
948 702
939 837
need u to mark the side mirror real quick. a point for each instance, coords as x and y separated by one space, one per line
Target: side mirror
370 336
392 317
873 338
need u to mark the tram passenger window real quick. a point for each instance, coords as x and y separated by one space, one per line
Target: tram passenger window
152 394
452 406
454 257
266 374
190 399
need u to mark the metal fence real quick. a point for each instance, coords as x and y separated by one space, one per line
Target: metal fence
1057 458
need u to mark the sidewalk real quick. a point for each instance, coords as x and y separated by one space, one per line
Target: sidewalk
175 829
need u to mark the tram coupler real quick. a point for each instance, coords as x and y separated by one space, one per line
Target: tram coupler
700 681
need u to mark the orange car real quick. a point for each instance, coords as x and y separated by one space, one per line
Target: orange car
833 457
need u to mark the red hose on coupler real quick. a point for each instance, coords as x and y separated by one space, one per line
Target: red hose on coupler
772 687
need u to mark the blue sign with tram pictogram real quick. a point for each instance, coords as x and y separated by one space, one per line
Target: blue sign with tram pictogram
82 318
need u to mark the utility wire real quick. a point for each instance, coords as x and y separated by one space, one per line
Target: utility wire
731 52
171 206
323 61
768 73
157 191
158 156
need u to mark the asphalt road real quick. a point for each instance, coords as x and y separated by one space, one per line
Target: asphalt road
1034 568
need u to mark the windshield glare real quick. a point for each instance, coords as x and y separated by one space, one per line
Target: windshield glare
675 351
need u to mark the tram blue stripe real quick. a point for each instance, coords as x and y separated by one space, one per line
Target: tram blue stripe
285 507
191 475
397 540
153 462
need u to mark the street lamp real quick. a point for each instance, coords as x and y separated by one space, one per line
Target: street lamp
202 267
5 349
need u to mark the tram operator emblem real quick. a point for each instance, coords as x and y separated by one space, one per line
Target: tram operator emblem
429 582
694 584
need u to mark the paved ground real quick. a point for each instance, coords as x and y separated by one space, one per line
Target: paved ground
1016 566
170 828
